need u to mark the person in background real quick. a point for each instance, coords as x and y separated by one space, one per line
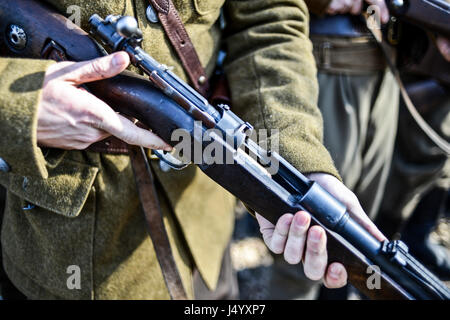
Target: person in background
358 98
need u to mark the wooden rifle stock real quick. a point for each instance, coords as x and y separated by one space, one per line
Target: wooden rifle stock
135 96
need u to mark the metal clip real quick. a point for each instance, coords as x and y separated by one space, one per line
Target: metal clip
151 14
166 159
325 55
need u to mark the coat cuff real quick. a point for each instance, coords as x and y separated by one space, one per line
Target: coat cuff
21 82
318 6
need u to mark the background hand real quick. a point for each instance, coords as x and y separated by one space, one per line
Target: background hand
355 7
293 237
443 45
69 117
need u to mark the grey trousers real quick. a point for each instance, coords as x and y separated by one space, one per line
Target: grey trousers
417 166
360 115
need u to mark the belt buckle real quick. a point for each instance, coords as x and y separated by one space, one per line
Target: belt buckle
325 54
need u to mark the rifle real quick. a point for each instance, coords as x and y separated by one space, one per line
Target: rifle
431 15
165 103
413 30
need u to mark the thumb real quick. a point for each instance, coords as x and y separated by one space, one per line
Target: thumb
97 69
443 45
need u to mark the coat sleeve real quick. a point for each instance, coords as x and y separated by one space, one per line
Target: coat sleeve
272 76
21 83
317 6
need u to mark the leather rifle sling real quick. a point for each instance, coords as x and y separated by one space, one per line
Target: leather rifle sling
182 44
154 221
147 194
179 38
439 141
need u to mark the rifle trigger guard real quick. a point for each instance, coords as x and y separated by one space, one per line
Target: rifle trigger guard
169 160
53 51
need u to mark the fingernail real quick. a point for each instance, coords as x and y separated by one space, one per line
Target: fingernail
315 235
335 271
168 148
288 222
118 60
301 220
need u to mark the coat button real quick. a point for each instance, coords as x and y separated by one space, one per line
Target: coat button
28 207
25 183
151 14
4 167
201 80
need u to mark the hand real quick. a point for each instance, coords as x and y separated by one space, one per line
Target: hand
355 7
293 237
443 45
69 117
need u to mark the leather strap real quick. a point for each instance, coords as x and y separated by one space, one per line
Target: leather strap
155 224
440 142
110 145
178 36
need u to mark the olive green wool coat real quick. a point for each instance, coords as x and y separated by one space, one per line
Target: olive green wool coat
86 209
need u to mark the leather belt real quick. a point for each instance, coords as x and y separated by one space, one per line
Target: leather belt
354 56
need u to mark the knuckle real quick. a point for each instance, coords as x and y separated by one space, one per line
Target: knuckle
313 248
298 231
95 136
92 119
313 274
284 223
277 245
98 67
291 256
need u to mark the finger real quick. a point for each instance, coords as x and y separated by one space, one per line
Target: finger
99 115
336 276
265 227
443 45
349 199
295 242
357 212
333 7
127 131
356 7
97 69
359 215
280 233
347 6
384 12
316 254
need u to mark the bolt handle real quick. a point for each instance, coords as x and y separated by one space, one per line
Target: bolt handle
128 27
